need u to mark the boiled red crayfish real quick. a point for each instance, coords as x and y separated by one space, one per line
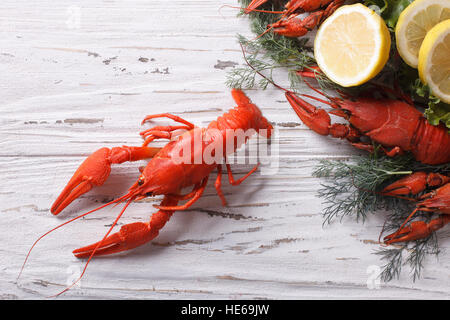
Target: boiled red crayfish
165 174
398 125
392 123
435 201
290 24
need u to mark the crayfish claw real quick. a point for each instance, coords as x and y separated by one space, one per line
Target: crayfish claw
130 236
316 119
412 184
295 27
289 28
417 230
92 172
70 193
96 169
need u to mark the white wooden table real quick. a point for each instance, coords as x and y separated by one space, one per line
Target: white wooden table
79 75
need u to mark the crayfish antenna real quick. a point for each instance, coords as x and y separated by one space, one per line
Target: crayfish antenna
63 224
258 72
251 10
265 31
98 245
317 99
135 234
315 90
253 5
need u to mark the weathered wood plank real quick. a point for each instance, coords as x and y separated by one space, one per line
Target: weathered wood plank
70 89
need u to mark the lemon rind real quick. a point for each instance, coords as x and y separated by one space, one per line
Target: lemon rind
433 38
400 39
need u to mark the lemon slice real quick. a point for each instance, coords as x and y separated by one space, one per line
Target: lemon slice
352 45
414 23
434 60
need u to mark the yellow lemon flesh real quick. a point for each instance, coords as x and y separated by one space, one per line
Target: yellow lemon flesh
352 45
414 23
434 60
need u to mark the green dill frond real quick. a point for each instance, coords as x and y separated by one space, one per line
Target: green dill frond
352 188
416 250
245 77
421 248
392 269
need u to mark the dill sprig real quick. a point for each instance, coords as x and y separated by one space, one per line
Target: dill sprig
353 189
417 251
392 269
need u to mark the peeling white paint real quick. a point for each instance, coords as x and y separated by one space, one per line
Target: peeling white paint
269 242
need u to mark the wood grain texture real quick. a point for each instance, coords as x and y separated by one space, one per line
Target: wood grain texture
68 89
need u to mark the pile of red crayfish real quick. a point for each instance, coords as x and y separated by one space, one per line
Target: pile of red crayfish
290 23
396 125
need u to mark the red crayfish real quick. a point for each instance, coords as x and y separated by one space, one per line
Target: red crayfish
392 123
165 174
398 127
434 201
290 24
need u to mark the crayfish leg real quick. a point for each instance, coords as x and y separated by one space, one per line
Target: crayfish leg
170 116
197 194
218 185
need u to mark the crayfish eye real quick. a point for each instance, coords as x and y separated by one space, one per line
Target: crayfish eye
141 181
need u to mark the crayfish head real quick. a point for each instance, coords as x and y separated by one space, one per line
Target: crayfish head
141 188
141 182
366 114
159 177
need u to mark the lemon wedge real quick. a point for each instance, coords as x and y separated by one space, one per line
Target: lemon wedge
352 45
414 23
434 60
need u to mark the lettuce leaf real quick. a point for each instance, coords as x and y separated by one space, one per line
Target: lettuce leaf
438 113
389 9
435 110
